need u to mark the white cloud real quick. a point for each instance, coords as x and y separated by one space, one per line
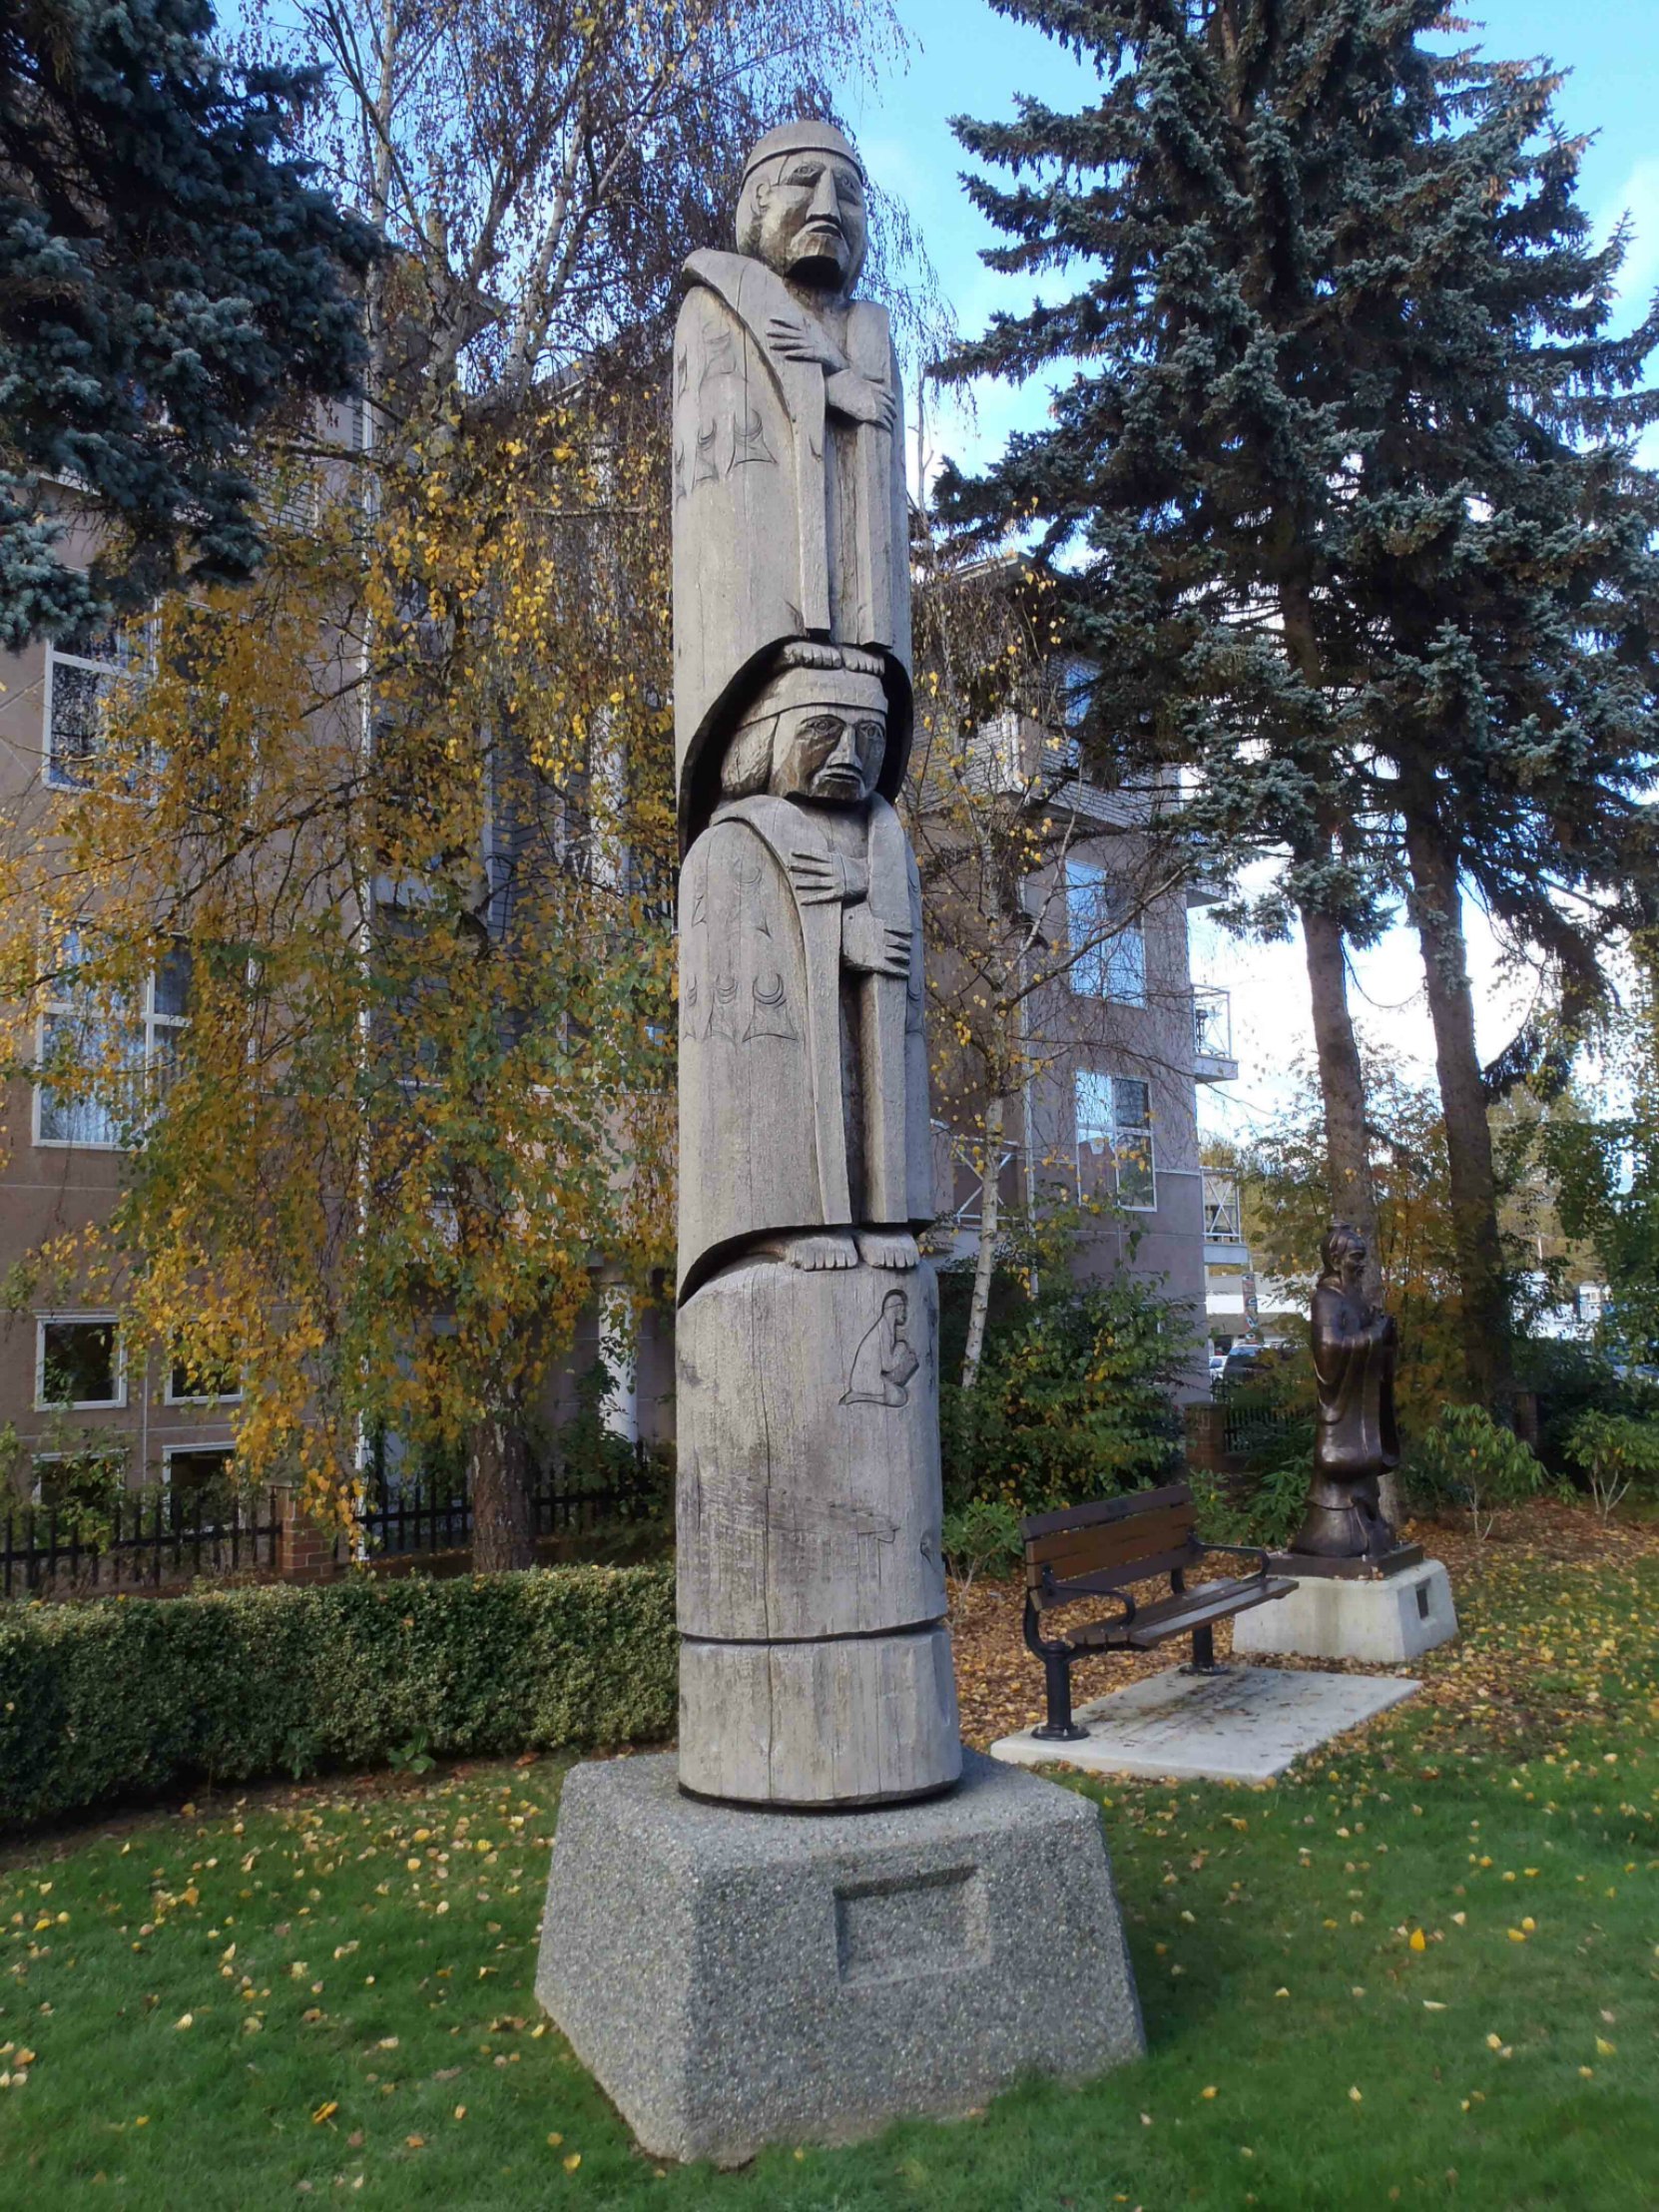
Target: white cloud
1637 196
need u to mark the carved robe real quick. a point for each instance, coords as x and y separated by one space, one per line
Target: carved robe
803 1078
790 520
1354 1350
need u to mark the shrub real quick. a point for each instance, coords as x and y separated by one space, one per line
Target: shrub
1614 1451
123 1698
1072 1399
1264 1507
981 1537
1467 1460
1568 1382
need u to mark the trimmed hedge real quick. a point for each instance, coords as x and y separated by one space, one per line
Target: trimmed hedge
129 1697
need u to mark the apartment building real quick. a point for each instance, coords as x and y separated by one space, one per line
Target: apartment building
1116 1043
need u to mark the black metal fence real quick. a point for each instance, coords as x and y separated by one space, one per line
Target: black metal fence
1251 1425
146 1539
564 1502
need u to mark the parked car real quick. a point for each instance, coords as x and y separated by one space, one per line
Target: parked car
1247 1363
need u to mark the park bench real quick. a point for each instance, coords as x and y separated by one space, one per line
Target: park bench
1098 1551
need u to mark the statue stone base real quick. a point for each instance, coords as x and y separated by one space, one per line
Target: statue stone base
1379 1618
734 1979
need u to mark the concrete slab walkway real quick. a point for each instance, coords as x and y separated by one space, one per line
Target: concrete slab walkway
1244 1725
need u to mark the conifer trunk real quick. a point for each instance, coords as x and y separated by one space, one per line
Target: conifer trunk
1436 914
498 1464
1342 1089
1342 1079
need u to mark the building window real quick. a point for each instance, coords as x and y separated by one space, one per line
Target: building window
198 1481
1109 955
64 1481
86 678
112 1062
1114 1115
78 1361
201 1382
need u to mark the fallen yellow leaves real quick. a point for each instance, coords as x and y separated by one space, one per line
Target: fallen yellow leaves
324 2112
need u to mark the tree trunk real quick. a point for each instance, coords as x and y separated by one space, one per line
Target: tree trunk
499 1468
1342 1090
1437 912
985 1265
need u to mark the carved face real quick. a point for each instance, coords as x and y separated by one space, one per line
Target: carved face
805 219
830 753
1344 1258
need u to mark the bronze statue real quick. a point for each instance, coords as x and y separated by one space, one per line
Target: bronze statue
1355 1345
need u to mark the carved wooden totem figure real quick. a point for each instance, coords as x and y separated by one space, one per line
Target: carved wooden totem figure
815 1663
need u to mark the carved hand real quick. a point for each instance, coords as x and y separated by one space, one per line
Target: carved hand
875 946
817 877
861 398
798 341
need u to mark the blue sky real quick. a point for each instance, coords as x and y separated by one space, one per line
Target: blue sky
972 61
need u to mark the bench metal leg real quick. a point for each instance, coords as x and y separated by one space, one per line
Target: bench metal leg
1203 1660
1059 1728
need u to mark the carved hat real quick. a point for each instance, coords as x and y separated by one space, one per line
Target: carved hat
801 138
819 675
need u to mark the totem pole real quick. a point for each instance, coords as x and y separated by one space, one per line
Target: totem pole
815 1664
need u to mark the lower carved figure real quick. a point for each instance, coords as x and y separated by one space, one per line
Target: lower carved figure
1356 1440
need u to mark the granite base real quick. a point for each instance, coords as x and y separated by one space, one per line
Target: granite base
735 1978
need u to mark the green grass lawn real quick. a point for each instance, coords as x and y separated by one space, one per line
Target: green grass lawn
328 1992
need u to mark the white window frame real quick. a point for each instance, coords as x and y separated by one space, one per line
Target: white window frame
45 1405
148 1024
133 664
1116 1135
1114 967
214 1398
39 1459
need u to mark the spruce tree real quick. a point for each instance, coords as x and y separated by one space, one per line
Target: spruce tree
168 276
1340 490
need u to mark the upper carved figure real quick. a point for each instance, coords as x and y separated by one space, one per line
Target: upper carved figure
791 518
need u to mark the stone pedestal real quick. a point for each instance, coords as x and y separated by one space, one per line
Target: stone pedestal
1383 1619
735 1979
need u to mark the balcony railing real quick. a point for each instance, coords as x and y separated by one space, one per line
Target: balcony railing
1213 1060
1223 1217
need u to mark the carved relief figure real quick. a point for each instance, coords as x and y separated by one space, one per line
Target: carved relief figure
1355 1347
885 1363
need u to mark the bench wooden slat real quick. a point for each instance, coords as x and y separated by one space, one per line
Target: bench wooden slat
1155 1627
1104 1509
1113 1543
1110 1580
